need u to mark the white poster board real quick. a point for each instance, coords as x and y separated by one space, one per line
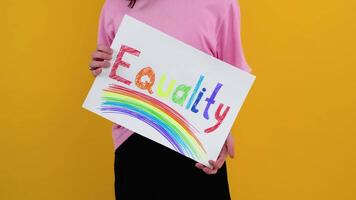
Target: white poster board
169 91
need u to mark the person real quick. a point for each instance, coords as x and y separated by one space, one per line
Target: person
143 168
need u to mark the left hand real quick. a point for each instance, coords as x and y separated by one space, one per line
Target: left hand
227 149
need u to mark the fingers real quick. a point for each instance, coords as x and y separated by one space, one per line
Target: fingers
199 165
96 72
230 146
100 56
231 151
205 169
100 59
221 158
104 49
210 171
216 165
229 143
99 64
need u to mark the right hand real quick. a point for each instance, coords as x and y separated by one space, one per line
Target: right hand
100 59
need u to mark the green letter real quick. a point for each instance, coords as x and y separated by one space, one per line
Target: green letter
180 99
165 94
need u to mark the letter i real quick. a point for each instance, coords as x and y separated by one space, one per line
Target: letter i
200 95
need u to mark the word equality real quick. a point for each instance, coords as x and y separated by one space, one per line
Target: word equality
181 94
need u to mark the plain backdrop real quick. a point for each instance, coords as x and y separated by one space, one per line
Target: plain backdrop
295 135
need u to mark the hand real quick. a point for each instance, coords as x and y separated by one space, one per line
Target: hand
100 59
227 149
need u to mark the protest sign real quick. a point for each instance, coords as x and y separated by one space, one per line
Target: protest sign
169 92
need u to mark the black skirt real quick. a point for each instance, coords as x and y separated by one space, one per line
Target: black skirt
146 170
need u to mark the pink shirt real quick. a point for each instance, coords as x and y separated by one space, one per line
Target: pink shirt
213 26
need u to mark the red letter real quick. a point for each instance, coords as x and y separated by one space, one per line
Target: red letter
220 118
124 49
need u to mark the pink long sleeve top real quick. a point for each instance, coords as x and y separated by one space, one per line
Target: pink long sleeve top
212 26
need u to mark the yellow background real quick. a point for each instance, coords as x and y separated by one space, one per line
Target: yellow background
295 136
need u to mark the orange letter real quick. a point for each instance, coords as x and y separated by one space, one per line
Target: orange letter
147 85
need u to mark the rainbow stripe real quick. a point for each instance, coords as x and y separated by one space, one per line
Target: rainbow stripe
168 122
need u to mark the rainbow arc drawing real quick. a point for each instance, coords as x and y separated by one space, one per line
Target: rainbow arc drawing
165 120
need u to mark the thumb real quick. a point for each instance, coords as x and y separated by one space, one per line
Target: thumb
230 146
